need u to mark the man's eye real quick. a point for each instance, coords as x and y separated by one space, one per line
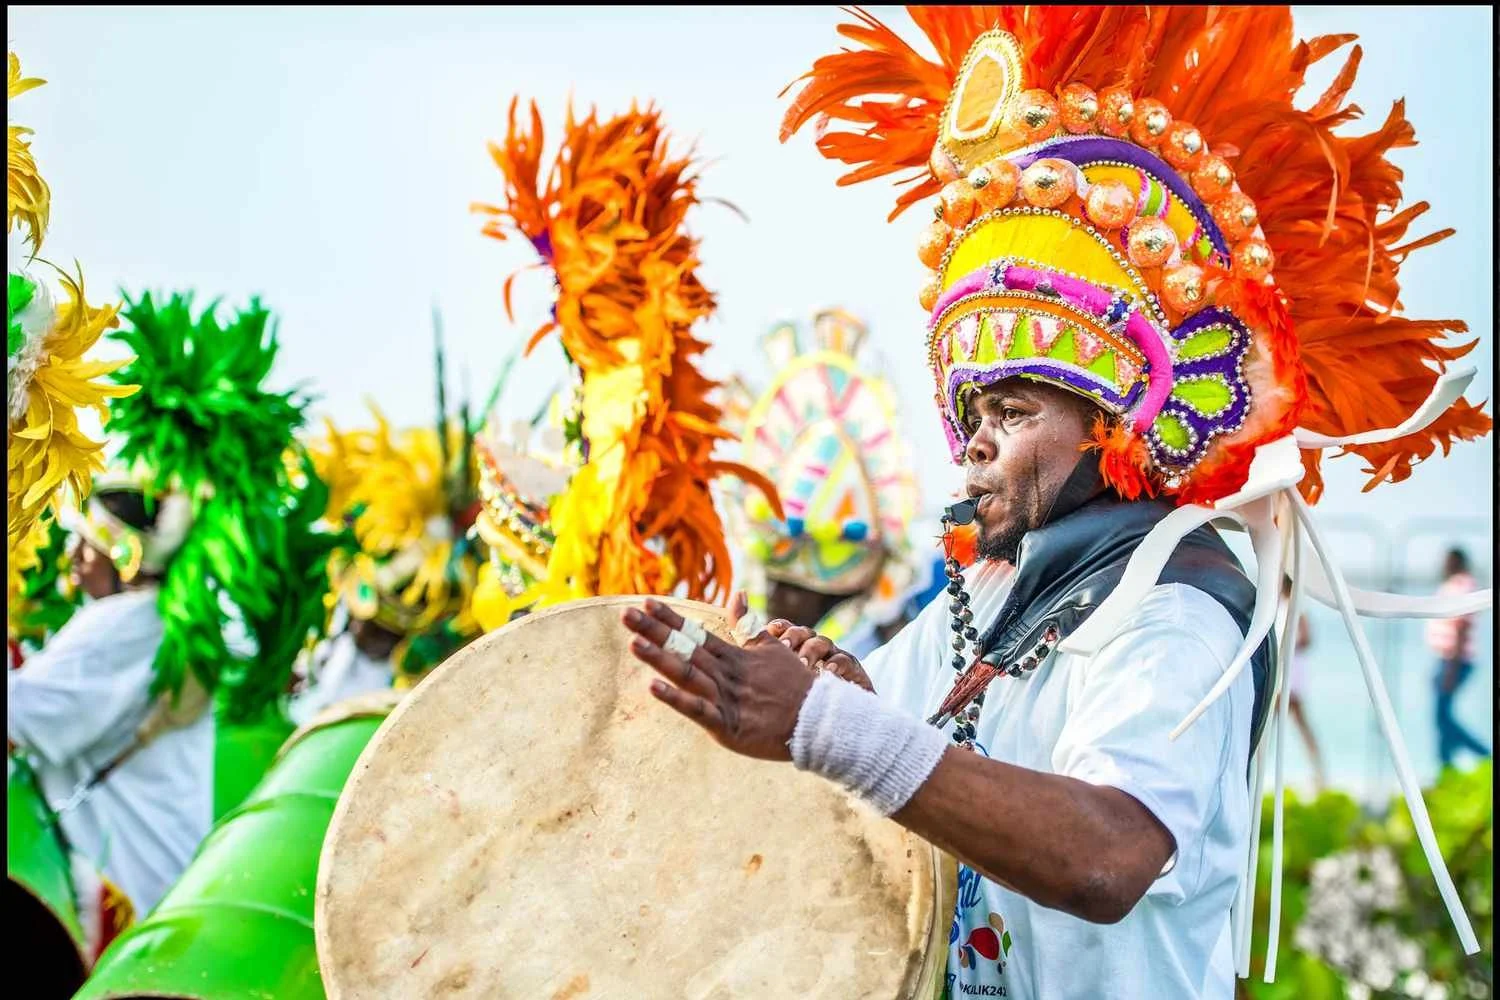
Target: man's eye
1010 413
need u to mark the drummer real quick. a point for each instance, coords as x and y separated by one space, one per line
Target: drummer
827 432
1102 856
77 704
408 588
356 661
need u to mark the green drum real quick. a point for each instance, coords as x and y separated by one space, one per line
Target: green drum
41 912
243 753
238 925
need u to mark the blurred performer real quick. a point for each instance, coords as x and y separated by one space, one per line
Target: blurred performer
1452 640
607 219
825 431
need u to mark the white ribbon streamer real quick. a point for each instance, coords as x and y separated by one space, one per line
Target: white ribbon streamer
1446 391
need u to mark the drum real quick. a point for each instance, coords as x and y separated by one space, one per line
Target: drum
40 908
238 924
531 823
243 752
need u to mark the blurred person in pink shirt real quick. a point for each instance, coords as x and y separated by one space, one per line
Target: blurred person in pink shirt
1452 640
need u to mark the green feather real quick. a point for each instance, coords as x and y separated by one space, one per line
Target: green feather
204 423
19 291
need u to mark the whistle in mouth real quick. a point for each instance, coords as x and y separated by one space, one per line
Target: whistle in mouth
963 512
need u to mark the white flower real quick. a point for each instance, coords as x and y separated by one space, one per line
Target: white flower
1408 955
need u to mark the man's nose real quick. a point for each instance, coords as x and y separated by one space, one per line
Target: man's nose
981 447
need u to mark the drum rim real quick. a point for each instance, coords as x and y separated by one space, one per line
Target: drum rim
371 704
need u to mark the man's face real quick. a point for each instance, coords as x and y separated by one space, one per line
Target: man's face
92 572
375 641
1027 440
798 605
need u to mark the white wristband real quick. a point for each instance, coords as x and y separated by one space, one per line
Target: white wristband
847 735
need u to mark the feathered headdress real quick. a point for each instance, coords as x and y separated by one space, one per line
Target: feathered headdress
28 200
608 220
1130 206
520 474
47 379
826 431
41 600
410 497
204 437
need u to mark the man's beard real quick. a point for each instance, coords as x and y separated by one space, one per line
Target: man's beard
1002 544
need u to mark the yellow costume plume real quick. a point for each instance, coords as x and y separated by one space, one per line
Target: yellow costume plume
47 379
413 571
27 198
638 517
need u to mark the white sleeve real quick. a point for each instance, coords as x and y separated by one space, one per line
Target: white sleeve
1130 696
890 666
72 694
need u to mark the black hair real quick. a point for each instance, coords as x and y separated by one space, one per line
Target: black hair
130 506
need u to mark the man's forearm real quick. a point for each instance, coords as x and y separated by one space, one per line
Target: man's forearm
1088 850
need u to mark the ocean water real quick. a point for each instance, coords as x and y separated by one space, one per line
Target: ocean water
1402 557
1339 710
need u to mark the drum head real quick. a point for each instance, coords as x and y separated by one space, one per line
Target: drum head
531 823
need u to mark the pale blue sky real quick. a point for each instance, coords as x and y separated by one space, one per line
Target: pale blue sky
325 158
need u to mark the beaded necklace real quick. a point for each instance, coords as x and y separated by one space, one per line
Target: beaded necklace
965 700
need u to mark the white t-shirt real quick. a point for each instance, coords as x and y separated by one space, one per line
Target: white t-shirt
74 706
1104 719
345 672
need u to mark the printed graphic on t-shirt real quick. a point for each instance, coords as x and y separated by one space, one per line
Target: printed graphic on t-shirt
978 943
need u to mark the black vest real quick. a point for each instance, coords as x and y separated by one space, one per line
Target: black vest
1068 567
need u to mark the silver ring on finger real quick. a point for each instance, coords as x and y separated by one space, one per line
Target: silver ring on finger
694 630
680 644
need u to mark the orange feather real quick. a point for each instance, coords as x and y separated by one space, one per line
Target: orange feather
608 217
1329 202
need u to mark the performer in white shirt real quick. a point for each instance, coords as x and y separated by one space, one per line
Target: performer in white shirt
129 773
1130 338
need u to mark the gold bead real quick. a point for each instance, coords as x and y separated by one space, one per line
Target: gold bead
934 243
1078 108
1002 180
1183 146
1109 205
1151 121
1254 259
1048 183
957 203
1151 242
1185 287
1213 178
1236 215
1116 111
1034 116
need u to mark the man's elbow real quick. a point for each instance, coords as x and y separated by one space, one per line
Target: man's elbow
1104 894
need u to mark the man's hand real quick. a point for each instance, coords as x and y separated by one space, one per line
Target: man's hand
819 652
746 697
